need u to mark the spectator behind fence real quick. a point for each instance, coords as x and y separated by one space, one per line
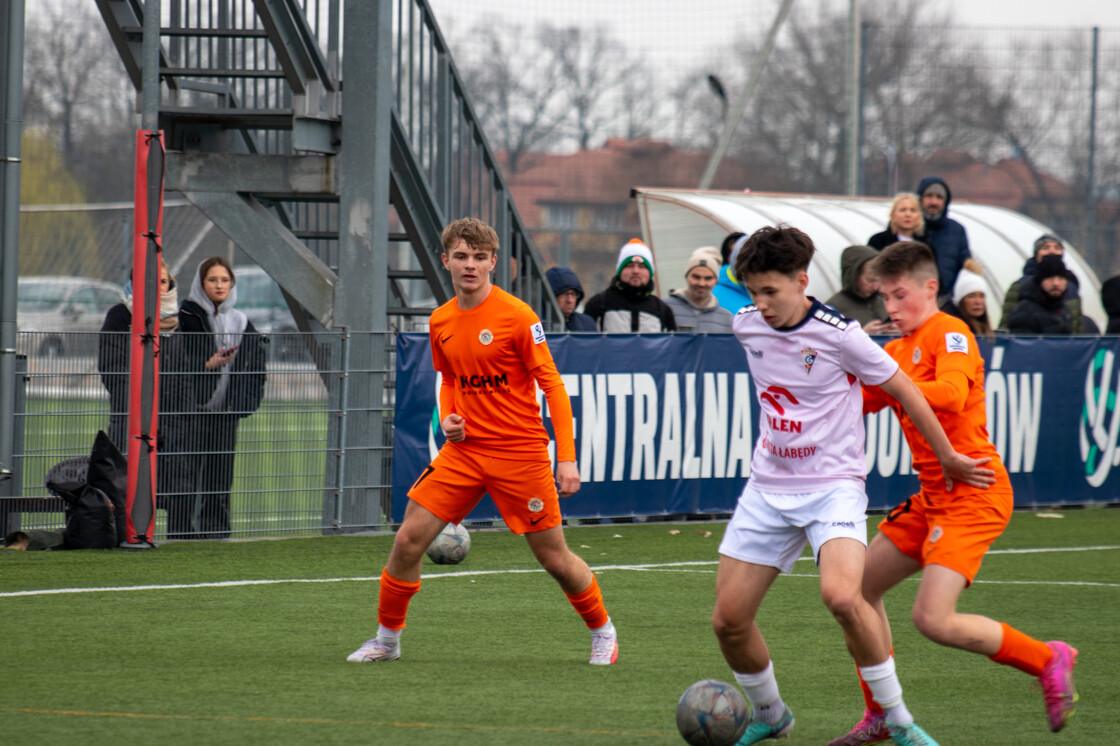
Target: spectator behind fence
731 293
1110 299
904 224
859 298
1045 245
569 292
944 235
113 351
695 309
629 304
230 388
970 304
1042 308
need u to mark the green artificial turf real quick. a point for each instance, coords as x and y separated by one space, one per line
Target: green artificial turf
492 656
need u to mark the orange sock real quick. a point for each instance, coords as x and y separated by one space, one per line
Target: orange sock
589 605
1021 651
392 601
868 699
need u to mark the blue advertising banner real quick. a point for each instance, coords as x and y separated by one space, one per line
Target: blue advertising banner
666 424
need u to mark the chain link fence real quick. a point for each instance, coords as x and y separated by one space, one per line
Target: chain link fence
279 469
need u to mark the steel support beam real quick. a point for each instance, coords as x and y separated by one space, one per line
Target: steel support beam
362 292
258 231
282 177
11 131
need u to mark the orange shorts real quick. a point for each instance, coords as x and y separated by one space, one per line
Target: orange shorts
953 531
524 491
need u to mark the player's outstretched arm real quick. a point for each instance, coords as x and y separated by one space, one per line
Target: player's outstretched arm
567 478
955 466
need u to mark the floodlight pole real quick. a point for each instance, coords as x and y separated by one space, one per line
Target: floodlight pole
744 99
854 31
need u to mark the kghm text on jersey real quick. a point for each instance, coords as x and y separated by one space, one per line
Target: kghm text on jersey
484 384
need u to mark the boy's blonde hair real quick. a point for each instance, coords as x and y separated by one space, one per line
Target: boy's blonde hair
476 233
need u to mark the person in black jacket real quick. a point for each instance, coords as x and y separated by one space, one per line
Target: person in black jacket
1042 309
1110 299
112 351
904 224
629 304
230 387
1044 246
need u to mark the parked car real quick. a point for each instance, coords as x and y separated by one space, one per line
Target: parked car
259 298
64 312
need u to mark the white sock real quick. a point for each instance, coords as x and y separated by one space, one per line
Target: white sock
607 628
886 689
762 691
388 636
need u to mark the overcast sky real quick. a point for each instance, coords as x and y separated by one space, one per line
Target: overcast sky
1103 13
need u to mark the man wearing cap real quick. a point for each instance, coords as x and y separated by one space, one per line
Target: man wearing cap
730 293
1045 245
695 308
629 304
944 235
569 292
1042 308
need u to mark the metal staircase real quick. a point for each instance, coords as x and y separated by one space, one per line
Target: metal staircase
252 107
341 197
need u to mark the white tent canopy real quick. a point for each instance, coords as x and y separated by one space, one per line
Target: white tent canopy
677 221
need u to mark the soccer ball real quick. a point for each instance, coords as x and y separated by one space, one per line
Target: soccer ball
451 546
712 713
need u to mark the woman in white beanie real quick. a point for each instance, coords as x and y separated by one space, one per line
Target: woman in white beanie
970 304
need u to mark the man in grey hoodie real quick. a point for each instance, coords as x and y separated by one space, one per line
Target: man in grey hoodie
695 308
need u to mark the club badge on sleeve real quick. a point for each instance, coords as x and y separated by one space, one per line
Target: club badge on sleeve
956 342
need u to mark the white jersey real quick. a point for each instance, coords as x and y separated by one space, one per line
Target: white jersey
807 378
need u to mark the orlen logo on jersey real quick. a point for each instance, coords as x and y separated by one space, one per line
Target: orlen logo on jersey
1100 422
773 396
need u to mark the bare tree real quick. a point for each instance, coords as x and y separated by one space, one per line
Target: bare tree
592 67
76 88
510 80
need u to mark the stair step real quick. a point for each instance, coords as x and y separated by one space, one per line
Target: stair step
210 72
137 32
272 119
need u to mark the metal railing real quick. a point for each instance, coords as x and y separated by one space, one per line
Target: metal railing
281 468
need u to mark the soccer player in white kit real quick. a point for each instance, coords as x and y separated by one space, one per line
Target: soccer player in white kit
808 475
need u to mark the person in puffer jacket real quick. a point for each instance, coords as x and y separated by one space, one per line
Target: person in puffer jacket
1042 308
629 304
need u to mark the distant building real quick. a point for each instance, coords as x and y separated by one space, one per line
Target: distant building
578 205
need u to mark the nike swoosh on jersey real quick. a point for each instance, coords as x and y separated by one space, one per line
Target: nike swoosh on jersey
449 336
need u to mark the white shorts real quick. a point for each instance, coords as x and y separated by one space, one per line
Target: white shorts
771 529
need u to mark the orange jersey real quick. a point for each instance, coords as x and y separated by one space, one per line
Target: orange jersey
941 352
490 357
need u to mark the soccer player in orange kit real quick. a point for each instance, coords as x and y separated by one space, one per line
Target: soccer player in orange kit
942 532
490 349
